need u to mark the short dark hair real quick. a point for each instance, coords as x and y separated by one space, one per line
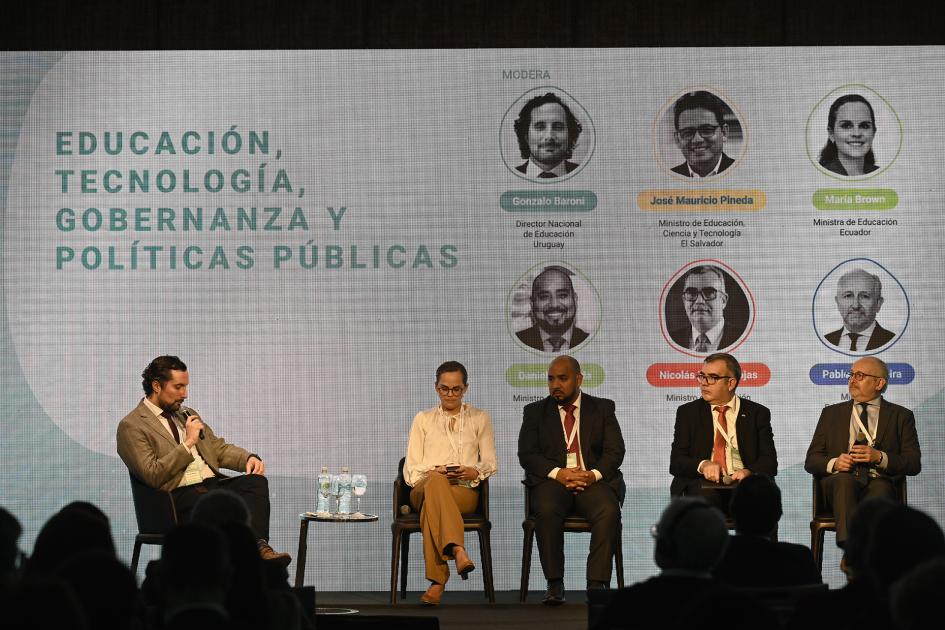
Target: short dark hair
452 366
730 362
699 100
524 121
756 505
160 370
829 153
567 273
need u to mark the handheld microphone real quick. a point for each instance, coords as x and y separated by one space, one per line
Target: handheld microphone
190 412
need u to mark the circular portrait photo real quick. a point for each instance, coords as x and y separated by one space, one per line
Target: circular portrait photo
706 307
546 136
553 308
853 133
860 308
698 134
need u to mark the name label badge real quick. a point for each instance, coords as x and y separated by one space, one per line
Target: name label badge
572 460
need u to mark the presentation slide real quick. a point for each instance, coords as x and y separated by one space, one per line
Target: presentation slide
314 232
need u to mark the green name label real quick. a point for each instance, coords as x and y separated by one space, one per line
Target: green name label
544 201
855 199
536 375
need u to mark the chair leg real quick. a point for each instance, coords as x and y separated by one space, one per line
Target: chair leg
618 560
394 564
404 563
135 556
485 550
817 545
529 533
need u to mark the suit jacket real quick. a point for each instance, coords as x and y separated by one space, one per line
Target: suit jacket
879 338
542 443
683 168
694 436
756 562
683 336
532 338
568 167
150 453
895 435
837 167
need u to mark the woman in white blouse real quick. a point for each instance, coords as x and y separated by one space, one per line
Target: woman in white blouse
450 450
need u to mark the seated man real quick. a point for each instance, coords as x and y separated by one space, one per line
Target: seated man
168 446
450 451
752 558
863 446
571 448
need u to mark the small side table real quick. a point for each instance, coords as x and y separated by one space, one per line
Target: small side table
304 519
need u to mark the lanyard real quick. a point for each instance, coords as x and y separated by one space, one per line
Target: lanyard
870 439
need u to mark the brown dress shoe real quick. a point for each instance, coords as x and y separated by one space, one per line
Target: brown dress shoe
433 595
269 554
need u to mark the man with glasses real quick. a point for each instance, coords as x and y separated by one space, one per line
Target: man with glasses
704 299
700 135
862 447
450 450
720 438
859 298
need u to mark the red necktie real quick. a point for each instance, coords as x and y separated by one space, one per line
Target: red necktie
569 421
170 421
718 448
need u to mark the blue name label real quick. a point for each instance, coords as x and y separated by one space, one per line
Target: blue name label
839 373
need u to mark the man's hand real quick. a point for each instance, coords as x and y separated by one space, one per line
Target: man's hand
738 475
712 472
575 479
192 428
865 454
255 466
844 463
463 473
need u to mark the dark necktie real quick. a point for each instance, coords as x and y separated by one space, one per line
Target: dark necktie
569 421
167 415
853 338
702 343
556 343
862 471
718 448
546 175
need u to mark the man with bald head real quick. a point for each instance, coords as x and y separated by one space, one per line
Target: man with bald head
553 312
862 447
704 299
571 448
859 298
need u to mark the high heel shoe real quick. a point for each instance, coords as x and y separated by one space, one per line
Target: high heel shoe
464 566
433 595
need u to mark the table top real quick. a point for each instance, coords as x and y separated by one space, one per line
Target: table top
338 518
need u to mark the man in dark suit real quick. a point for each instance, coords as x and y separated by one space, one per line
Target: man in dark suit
753 559
168 447
862 447
571 448
704 299
553 311
700 134
547 132
720 438
859 298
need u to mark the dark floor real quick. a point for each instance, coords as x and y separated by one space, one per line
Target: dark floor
469 610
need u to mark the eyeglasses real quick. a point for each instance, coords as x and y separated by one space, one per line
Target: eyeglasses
708 294
711 379
447 391
706 131
859 376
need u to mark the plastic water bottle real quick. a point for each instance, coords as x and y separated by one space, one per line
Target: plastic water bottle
344 502
324 490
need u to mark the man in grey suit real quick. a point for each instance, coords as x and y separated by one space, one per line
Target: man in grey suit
862 447
168 447
571 448
859 298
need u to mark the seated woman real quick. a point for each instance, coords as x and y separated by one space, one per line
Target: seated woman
851 126
450 450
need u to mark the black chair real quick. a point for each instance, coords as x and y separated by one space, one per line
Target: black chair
156 515
823 519
572 523
406 521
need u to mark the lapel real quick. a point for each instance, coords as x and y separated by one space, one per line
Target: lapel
588 416
157 424
882 422
841 428
556 427
706 427
741 423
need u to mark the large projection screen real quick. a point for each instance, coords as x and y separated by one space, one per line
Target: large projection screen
314 232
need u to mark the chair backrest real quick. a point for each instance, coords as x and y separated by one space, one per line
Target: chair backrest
154 509
401 494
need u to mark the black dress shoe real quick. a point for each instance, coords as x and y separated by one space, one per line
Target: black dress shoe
593 585
554 596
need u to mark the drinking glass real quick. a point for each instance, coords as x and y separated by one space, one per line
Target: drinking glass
359 487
